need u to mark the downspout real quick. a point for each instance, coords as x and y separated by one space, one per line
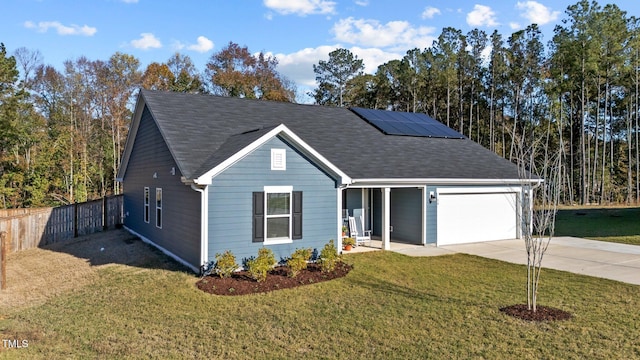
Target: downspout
204 225
530 197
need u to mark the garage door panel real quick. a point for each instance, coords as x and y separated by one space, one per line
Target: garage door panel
474 217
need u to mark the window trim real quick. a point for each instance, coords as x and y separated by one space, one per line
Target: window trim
147 205
278 190
159 208
279 154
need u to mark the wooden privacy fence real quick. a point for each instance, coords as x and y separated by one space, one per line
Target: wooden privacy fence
29 228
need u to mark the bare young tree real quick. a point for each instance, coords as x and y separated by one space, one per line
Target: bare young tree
539 171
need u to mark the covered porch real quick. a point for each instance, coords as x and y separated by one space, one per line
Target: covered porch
394 215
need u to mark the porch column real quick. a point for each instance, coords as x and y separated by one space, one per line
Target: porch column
386 219
340 220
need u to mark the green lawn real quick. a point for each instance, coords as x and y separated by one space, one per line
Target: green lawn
620 225
389 307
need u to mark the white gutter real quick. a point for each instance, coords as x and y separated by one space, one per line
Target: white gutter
439 181
204 223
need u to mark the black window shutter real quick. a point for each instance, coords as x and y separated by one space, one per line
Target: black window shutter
297 215
258 216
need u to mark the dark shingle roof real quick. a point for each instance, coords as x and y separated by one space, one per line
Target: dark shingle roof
203 130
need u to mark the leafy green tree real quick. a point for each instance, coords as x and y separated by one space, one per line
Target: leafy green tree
333 75
445 52
390 85
186 77
9 105
525 56
477 42
497 84
22 138
401 82
362 91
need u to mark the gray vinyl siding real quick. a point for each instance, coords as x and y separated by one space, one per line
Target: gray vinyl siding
230 202
180 232
406 215
354 199
432 213
377 211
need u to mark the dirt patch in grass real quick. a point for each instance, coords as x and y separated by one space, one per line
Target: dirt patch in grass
241 283
542 313
35 275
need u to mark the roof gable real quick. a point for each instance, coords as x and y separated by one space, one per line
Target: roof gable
239 146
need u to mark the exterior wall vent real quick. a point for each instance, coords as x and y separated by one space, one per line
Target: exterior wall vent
278 159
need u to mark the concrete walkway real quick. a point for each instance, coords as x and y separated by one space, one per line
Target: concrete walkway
602 259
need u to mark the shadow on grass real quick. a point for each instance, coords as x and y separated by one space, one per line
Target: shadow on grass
598 222
116 247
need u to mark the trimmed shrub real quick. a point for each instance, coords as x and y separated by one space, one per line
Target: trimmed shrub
329 257
298 261
225 264
261 265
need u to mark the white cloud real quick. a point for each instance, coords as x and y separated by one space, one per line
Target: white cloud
482 16
301 7
537 13
298 66
373 57
514 26
399 35
44 26
202 46
362 2
146 41
430 12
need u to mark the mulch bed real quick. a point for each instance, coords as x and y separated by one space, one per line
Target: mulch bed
241 283
542 313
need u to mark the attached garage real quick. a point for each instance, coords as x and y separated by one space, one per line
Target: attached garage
466 215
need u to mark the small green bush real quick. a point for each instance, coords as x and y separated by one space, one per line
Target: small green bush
225 264
348 241
329 257
260 266
298 261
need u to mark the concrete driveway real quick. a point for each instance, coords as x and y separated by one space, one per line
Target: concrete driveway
602 259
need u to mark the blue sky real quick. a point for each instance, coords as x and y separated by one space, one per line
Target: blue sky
298 32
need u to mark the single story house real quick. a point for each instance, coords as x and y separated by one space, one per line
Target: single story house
203 174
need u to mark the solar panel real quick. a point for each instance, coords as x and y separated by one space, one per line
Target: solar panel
406 124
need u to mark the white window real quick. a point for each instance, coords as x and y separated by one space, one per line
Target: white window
159 208
146 204
277 214
278 159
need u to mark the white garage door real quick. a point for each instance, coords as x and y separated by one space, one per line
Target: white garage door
474 217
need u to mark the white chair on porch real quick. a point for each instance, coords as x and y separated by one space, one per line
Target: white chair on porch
357 231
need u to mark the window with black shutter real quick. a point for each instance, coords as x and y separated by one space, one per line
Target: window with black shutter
297 215
258 216
277 215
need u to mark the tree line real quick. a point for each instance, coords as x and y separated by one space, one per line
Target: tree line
579 94
62 132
